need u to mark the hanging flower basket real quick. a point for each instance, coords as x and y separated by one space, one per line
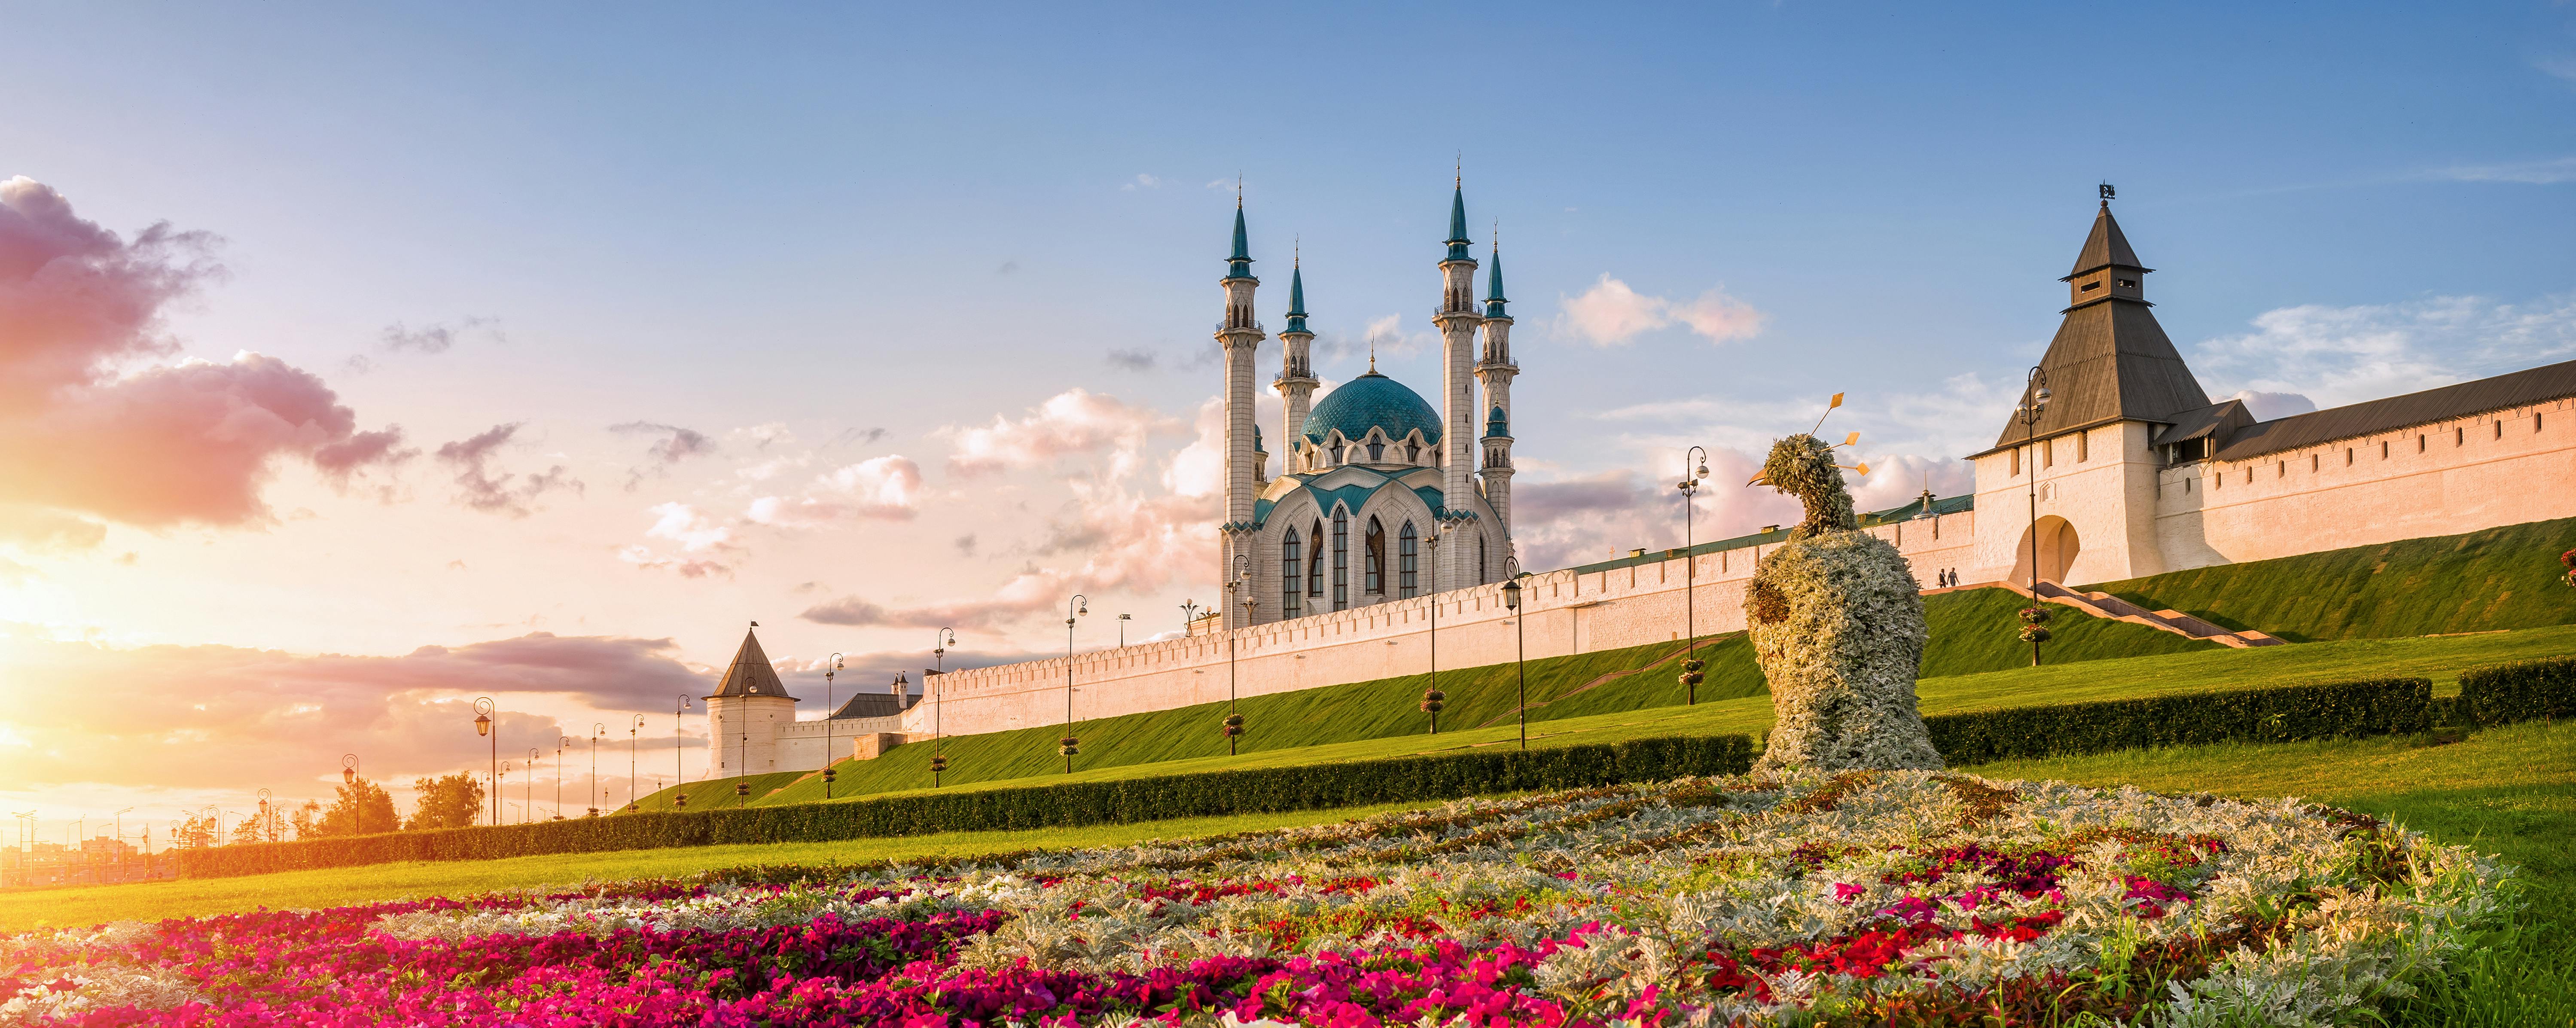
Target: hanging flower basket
1431 700
1068 746
2035 615
1233 725
2569 560
2034 634
938 763
1693 671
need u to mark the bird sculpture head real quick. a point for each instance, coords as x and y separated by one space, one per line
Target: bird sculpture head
1803 466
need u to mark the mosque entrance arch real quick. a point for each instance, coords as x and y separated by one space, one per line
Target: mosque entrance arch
2057 550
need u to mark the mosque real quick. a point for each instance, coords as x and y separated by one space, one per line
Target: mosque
1388 520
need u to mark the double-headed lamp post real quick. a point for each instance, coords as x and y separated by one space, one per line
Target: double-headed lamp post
937 682
679 728
1520 642
1239 586
2034 403
1078 606
1694 470
483 710
528 787
1432 698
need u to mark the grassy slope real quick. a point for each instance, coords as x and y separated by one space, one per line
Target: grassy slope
87 905
2439 658
1971 631
2498 578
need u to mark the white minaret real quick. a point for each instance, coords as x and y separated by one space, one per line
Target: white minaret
1296 382
1240 335
1458 320
1496 371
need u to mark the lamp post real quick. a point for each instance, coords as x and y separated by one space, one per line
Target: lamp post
528 786
633 725
348 769
501 778
2034 403
1078 606
1239 585
118 851
483 709
1432 698
1123 619
1694 458
939 644
1520 642
597 730
1189 616
562 743
828 671
679 800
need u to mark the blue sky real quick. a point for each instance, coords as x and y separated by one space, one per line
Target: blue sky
933 285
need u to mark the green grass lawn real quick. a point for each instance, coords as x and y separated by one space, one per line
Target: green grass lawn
2498 578
86 905
906 768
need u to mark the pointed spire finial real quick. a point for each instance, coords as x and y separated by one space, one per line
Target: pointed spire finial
1372 355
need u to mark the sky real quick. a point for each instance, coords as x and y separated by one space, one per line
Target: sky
359 362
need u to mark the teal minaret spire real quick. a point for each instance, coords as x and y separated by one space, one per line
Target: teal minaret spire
1494 281
1239 265
1458 565
1240 337
1296 298
1458 223
1296 382
1495 373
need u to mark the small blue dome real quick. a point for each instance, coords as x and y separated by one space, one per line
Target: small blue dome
1373 401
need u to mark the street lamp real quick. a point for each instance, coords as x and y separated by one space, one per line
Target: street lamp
1123 619
940 641
562 743
1189 616
828 671
483 709
528 788
1078 606
118 852
348 769
632 727
1239 585
679 799
1695 458
597 730
502 777
2034 403
1520 643
1432 698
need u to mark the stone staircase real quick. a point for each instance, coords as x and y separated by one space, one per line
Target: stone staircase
2105 605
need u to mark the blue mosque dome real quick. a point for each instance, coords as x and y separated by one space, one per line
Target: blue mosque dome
1373 401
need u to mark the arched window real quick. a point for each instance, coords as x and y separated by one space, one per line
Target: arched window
1407 561
1480 559
1337 453
1412 453
1341 559
1291 567
1373 560
1377 453
1315 561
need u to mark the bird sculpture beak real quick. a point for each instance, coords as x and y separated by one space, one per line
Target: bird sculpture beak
1761 479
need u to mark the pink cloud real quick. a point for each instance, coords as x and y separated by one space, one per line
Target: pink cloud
885 488
1070 423
159 444
1611 313
481 486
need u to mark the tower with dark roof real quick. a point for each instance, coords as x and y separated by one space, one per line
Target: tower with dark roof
745 712
1455 566
1239 334
1296 382
1495 373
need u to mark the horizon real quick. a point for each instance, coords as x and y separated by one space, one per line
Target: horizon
396 358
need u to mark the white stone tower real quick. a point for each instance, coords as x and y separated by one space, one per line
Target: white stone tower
1240 335
1458 321
744 713
1495 371
1296 382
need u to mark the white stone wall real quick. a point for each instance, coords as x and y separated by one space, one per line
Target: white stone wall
2101 481
744 732
802 744
2500 468
1569 612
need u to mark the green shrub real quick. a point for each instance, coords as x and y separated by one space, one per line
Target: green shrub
2521 691
2377 707
1304 787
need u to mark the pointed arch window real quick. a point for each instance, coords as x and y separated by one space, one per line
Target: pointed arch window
1373 560
1377 453
1408 567
1291 567
1341 559
1315 561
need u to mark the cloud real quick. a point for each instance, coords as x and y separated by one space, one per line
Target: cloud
249 718
965 545
1132 360
675 445
483 488
2547 172
91 424
887 488
38 529
397 337
2340 355
1070 423
1610 313
2268 406
706 549
1143 181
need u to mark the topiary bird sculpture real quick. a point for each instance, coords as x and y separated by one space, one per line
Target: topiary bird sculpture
1836 621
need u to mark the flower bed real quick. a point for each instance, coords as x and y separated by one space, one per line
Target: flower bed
1906 897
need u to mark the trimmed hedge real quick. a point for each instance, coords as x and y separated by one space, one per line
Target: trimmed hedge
2521 691
1074 804
2373 707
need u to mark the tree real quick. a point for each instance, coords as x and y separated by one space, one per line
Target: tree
305 818
452 801
197 832
362 808
248 829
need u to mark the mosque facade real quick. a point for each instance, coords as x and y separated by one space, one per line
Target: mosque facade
2114 464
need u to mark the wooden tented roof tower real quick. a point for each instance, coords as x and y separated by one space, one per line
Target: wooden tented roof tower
750 674
2110 361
